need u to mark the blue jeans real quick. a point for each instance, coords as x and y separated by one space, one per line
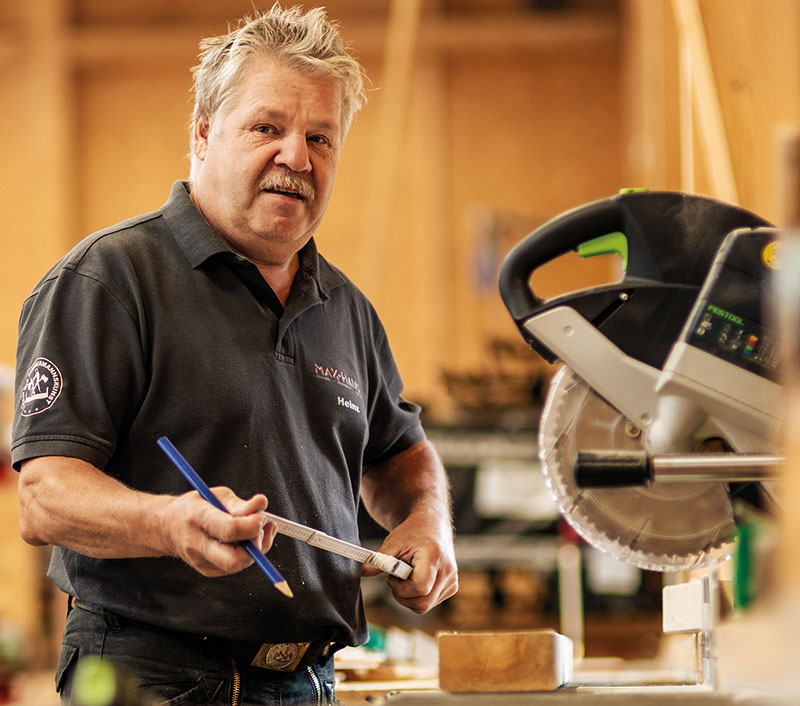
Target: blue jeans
168 671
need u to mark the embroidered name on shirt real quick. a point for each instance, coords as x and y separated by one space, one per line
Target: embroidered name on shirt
347 403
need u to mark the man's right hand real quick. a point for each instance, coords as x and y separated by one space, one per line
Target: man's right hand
69 503
208 539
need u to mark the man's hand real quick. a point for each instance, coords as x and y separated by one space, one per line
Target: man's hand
426 543
409 495
70 503
208 539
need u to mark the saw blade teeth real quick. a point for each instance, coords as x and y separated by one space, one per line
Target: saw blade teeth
653 529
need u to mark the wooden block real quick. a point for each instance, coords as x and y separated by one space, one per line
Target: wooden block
532 660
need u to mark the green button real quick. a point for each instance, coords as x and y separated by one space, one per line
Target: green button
610 244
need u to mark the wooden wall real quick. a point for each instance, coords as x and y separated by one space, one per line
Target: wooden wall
496 114
752 56
507 116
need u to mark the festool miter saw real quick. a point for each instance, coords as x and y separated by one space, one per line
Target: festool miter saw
679 356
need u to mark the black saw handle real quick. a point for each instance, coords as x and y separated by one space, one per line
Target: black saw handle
672 239
556 237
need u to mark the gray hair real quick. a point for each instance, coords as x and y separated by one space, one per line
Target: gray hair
308 42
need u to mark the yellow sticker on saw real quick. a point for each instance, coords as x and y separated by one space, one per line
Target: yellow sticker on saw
771 255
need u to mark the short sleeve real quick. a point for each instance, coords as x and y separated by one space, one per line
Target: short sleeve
80 369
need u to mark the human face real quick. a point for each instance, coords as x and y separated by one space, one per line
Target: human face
265 165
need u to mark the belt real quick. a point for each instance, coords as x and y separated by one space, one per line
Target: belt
277 656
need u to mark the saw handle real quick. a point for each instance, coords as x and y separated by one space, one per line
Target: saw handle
612 469
619 469
556 237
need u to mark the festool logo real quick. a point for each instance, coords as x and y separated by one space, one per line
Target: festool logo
725 314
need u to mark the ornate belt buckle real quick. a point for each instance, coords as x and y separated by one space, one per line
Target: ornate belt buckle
280 656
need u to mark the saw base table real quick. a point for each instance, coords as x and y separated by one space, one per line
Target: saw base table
589 696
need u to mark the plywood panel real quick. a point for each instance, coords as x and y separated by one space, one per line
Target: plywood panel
754 59
133 141
533 138
757 69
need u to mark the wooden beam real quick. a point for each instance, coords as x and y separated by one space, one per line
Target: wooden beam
518 32
705 99
92 46
382 188
477 34
686 117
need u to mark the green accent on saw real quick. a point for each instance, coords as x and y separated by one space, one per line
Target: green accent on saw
610 244
633 190
743 566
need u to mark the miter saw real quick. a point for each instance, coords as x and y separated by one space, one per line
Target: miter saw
677 357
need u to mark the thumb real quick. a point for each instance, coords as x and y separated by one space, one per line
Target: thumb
368 570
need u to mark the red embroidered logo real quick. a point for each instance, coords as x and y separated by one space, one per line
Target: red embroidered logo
329 373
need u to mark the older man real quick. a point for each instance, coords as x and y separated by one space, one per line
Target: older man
216 322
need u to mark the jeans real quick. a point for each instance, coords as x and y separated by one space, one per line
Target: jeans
168 671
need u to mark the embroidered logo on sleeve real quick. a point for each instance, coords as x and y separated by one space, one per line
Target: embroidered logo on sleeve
41 389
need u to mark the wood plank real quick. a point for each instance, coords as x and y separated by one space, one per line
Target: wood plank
705 100
534 660
395 79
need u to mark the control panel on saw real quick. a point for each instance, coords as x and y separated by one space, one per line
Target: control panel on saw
727 321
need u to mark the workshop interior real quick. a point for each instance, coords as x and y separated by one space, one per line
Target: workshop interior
578 221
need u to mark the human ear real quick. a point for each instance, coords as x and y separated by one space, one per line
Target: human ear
200 131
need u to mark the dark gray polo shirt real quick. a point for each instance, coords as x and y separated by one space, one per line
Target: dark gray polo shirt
155 327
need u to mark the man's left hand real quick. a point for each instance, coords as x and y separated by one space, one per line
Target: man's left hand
425 542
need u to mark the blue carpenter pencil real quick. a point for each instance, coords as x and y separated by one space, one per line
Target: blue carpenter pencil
200 486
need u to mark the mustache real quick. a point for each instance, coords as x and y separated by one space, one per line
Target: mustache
288 181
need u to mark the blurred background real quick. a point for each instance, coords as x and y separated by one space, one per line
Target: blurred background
485 119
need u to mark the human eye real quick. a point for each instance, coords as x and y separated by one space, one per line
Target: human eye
265 129
323 141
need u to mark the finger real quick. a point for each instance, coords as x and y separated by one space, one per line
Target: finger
223 527
420 583
368 571
213 558
266 537
256 504
421 597
239 506
423 604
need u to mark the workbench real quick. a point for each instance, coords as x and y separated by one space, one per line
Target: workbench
588 696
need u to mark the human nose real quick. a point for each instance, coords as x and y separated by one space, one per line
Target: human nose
293 153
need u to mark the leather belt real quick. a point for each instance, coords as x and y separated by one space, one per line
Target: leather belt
288 656
277 656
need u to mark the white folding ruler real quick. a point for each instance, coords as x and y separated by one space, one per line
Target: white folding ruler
390 564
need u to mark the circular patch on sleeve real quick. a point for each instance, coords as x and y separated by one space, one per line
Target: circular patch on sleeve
41 389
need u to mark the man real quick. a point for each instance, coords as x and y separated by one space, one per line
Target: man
215 322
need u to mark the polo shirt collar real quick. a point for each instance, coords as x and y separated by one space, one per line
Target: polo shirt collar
198 241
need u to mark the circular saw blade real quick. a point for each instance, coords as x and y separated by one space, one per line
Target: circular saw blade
661 527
